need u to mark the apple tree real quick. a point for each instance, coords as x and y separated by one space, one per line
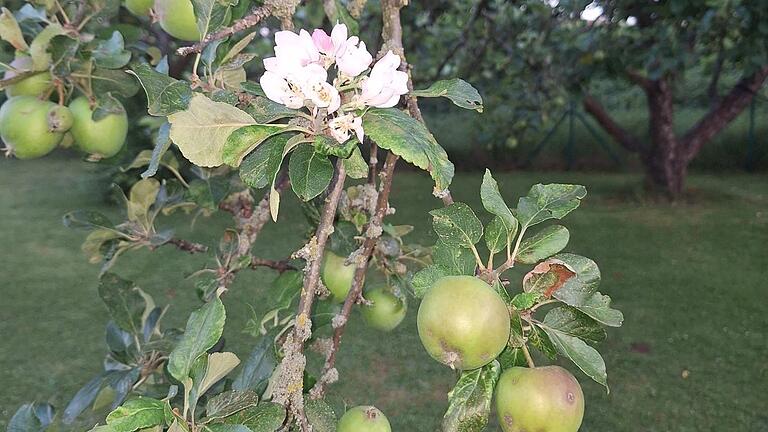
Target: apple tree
303 125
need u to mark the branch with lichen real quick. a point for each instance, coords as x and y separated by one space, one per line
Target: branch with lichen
289 385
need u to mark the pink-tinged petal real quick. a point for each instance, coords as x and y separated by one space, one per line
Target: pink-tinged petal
274 86
335 102
286 38
354 60
323 42
308 47
271 64
339 36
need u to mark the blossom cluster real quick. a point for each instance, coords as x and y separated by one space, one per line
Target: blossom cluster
297 77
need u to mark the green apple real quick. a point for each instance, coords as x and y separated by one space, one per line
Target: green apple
25 128
139 7
539 399
337 276
34 85
364 419
177 18
386 311
104 137
463 322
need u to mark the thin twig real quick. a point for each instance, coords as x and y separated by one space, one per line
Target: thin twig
373 232
248 21
187 246
280 265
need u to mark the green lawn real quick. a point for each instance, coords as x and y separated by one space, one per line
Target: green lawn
690 278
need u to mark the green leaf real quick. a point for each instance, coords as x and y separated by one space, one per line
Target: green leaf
330 147
543 244
244 140
38 49
31 417
86 219
496 235
135 414
342 240
267 111
97 241
581 354
549 201
124 302
230 402
202 130
274 195
165 95
211 14
266 417
262 361
310 172
111 53
204 328
356 166
581 291
162 144
10 30
538 339
423 280
142 195
470 400
113 81
261 166
320 415
511 357
457 261
575 323
460 92
525 300
406 137
457 225
219 365
494 203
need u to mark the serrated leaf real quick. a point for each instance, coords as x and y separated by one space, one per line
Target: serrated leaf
575 323
581 291
470 400
124 302
211 14
274 195
219 365
86 219
229 402
266 417
320 415
10 30
423 280
267 111
201 131
540 340
406 137
460 92
525 300
111 53
356 166
551 201
261 166
458 261
543 244
581 354
244 140
203 330
135 414
511 357
113 80
165 95
310 172
496 235
457 225
494 203
258 367
162 144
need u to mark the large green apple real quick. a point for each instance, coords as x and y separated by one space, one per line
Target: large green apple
539 399
364 419
30 127
337 276
34 85
104 137
463 322
386 311
139 7
177 18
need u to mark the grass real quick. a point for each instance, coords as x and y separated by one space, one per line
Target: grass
689 277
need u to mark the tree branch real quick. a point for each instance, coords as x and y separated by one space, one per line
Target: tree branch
618 133
254 17
281 266
372 234
187 246
723 113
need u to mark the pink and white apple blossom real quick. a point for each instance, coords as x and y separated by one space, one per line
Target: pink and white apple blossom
297 77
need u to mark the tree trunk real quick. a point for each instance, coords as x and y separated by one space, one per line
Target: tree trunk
664 161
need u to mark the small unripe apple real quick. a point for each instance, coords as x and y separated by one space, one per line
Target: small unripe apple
177 18
104 137
364 419
25 129
34 85
386 311
463 322
139 7
544 398
337 276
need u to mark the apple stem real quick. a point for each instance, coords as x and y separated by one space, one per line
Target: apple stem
528 357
